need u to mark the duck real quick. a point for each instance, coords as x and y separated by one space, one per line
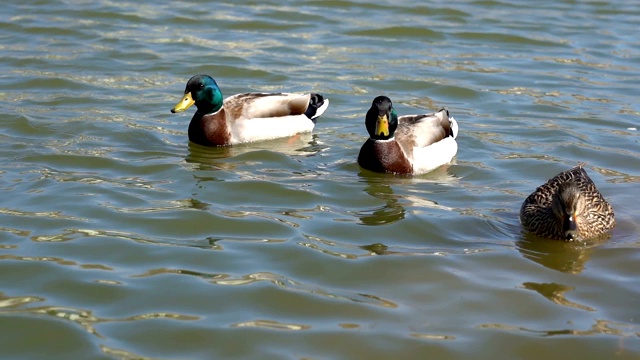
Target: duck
247 117
567 207
409 144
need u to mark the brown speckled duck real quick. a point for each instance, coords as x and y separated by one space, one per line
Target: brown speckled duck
409 144
567 207
249 117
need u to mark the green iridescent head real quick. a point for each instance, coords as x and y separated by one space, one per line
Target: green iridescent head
381 120
203 91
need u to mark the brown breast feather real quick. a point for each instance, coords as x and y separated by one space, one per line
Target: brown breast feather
210 129
384 156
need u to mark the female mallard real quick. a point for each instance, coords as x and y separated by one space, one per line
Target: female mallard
410 144
567 207
246 117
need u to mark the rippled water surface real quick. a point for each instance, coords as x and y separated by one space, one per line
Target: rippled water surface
121 240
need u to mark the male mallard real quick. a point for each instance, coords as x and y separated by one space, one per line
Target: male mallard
246 117
567 207
409 144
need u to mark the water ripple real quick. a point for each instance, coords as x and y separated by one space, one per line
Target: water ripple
125 240
281 282
271 324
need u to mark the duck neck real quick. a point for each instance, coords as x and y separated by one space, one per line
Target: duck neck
208 107
209 129
382 141
211 101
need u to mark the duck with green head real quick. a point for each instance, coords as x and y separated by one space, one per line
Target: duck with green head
247 117
409 144
567 207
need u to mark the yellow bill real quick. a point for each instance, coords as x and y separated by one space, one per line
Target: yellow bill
382 125
183 104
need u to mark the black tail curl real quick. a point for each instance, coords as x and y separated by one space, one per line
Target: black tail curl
315 102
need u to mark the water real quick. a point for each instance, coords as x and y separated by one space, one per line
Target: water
120 240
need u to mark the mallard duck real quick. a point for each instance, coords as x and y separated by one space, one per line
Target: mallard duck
409 144
246 117
567 207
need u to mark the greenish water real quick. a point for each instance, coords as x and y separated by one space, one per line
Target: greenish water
120 240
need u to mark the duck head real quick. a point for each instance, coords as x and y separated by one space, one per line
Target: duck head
381 120
568 204
203 91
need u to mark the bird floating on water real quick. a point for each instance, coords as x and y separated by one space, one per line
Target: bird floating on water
248 117
567 207
409 144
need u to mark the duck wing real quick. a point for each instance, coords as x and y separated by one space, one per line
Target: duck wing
266 105
419 131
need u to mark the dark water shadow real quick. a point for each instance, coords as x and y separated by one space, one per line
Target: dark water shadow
380 186
389 213
224 163
556 293
568 257
212 157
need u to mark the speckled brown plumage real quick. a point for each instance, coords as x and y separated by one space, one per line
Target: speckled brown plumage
571 189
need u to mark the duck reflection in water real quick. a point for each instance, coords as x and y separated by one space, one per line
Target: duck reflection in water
213 158
566 257
304 144
388 213
380 186
556 293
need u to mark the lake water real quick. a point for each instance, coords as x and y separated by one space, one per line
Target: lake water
121 240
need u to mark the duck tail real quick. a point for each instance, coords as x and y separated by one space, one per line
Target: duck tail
454 127
317 105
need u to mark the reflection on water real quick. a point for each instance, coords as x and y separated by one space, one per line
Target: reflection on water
556 293
305 144
600 327
380 186
8 303
273 325
280 281
350 251
84 318
389 213
377 248
569 257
